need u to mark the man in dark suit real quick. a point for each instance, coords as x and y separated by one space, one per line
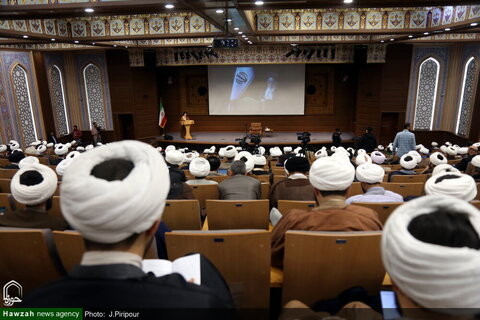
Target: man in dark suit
114 196
239 186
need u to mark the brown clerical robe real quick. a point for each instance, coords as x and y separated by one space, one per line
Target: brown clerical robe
331 215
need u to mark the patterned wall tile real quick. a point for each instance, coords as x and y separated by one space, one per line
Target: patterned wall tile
460 13
330 20
97 28
4 24
93 82
156 25
59 104
426 94
264 22
308 21
117 27
351 21
286 21
197 24
374 20
176 25
474 12
447 15
436 17
20 25
418 19
468 97
396 20
49 26
79 29
62 28
35 26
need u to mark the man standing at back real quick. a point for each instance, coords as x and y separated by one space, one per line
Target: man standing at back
239 186
404 141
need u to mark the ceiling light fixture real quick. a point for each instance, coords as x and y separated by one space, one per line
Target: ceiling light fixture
392 39
236 28
382 41
246 38
219 11
410 36
52 39
25 37
93 43
347 1
425 33
89 10
126 47
169 6
447 29
259 3
114 45
229 20
76 41
473 24
240 32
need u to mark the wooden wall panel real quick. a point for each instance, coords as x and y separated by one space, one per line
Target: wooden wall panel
44 93
368 98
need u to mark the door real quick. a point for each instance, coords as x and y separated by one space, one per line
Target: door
126 130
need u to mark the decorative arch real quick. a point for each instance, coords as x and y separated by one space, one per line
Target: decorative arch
58 100
23 103
467 96
94 92
426 98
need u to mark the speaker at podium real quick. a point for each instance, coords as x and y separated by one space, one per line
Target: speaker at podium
186 124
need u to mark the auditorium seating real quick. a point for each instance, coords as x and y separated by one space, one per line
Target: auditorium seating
217 178
242 256
265 190
7 173
235 214
478 191
277 178
409 178
286 205
320 265
204 192
382 209
29 257
355 189
182 215
4 162
405 189
5 185
55 209
278 171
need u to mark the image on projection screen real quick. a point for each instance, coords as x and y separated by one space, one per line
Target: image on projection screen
257 90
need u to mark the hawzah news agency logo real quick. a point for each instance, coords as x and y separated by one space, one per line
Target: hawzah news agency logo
8 297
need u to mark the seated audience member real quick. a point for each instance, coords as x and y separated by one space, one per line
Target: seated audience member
472 152
378 157
14 158
33 186
174 159
370 177
28 161
3 151
441 168
430 249
214 166
331 177
368 140
200 168
60 152
408 163
458 185
297 186
118 233
239 186
259 164
435 159
425 160
473 168
230 153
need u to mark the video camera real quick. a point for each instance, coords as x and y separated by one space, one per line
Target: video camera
304 137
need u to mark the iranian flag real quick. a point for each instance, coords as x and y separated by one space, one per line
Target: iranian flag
162 118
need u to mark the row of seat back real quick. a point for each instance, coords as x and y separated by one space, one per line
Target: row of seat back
210 191
232 214
5 186
409 178
404 189
382 209
7 173
4 162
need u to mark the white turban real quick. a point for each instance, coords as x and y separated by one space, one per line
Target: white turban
50 145
287 149
169 148
445 167
448 143
424 150
462 150
199 167
72 155
159 149
416 155
275 152
476 161
174 157
230 151
418 146
3 148
370 173
261 150
41 149
432 275
36 143
444 149
437 158
462 186
238 148
362 158
434 144
297 150
351 151
341 155
81 149
333 148
360 151
378 157
259 160
250 163
74 142
61 149
380 147
189 157
330 174
451 151
89 147
221 152
407 161
38 193
62 166
28 161
14 145
343 150
321 153
111 211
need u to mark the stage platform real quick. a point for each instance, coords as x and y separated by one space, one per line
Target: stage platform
206 139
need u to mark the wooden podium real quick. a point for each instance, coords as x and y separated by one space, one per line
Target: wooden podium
187 124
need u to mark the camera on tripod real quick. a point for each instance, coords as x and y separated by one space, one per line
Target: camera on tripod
304 137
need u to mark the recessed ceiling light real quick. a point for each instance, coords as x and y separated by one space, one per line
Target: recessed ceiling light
229 20
243 36
410 36
25 36
250 42
93 43
76 41
236 28
246 38
447 29
425 33
52 39
258 3
382 41
126 47
219 11
169 6
392 39
89 10
347 1
240 32
474 24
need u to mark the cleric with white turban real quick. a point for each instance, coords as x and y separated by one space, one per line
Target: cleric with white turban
362 158
436 269
247 158
62 166
174 157
27 161
378 157
369 173
444 167
33 184
199 167
230 152
128 205
329 174
408 161
437 158
458 185
321 153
